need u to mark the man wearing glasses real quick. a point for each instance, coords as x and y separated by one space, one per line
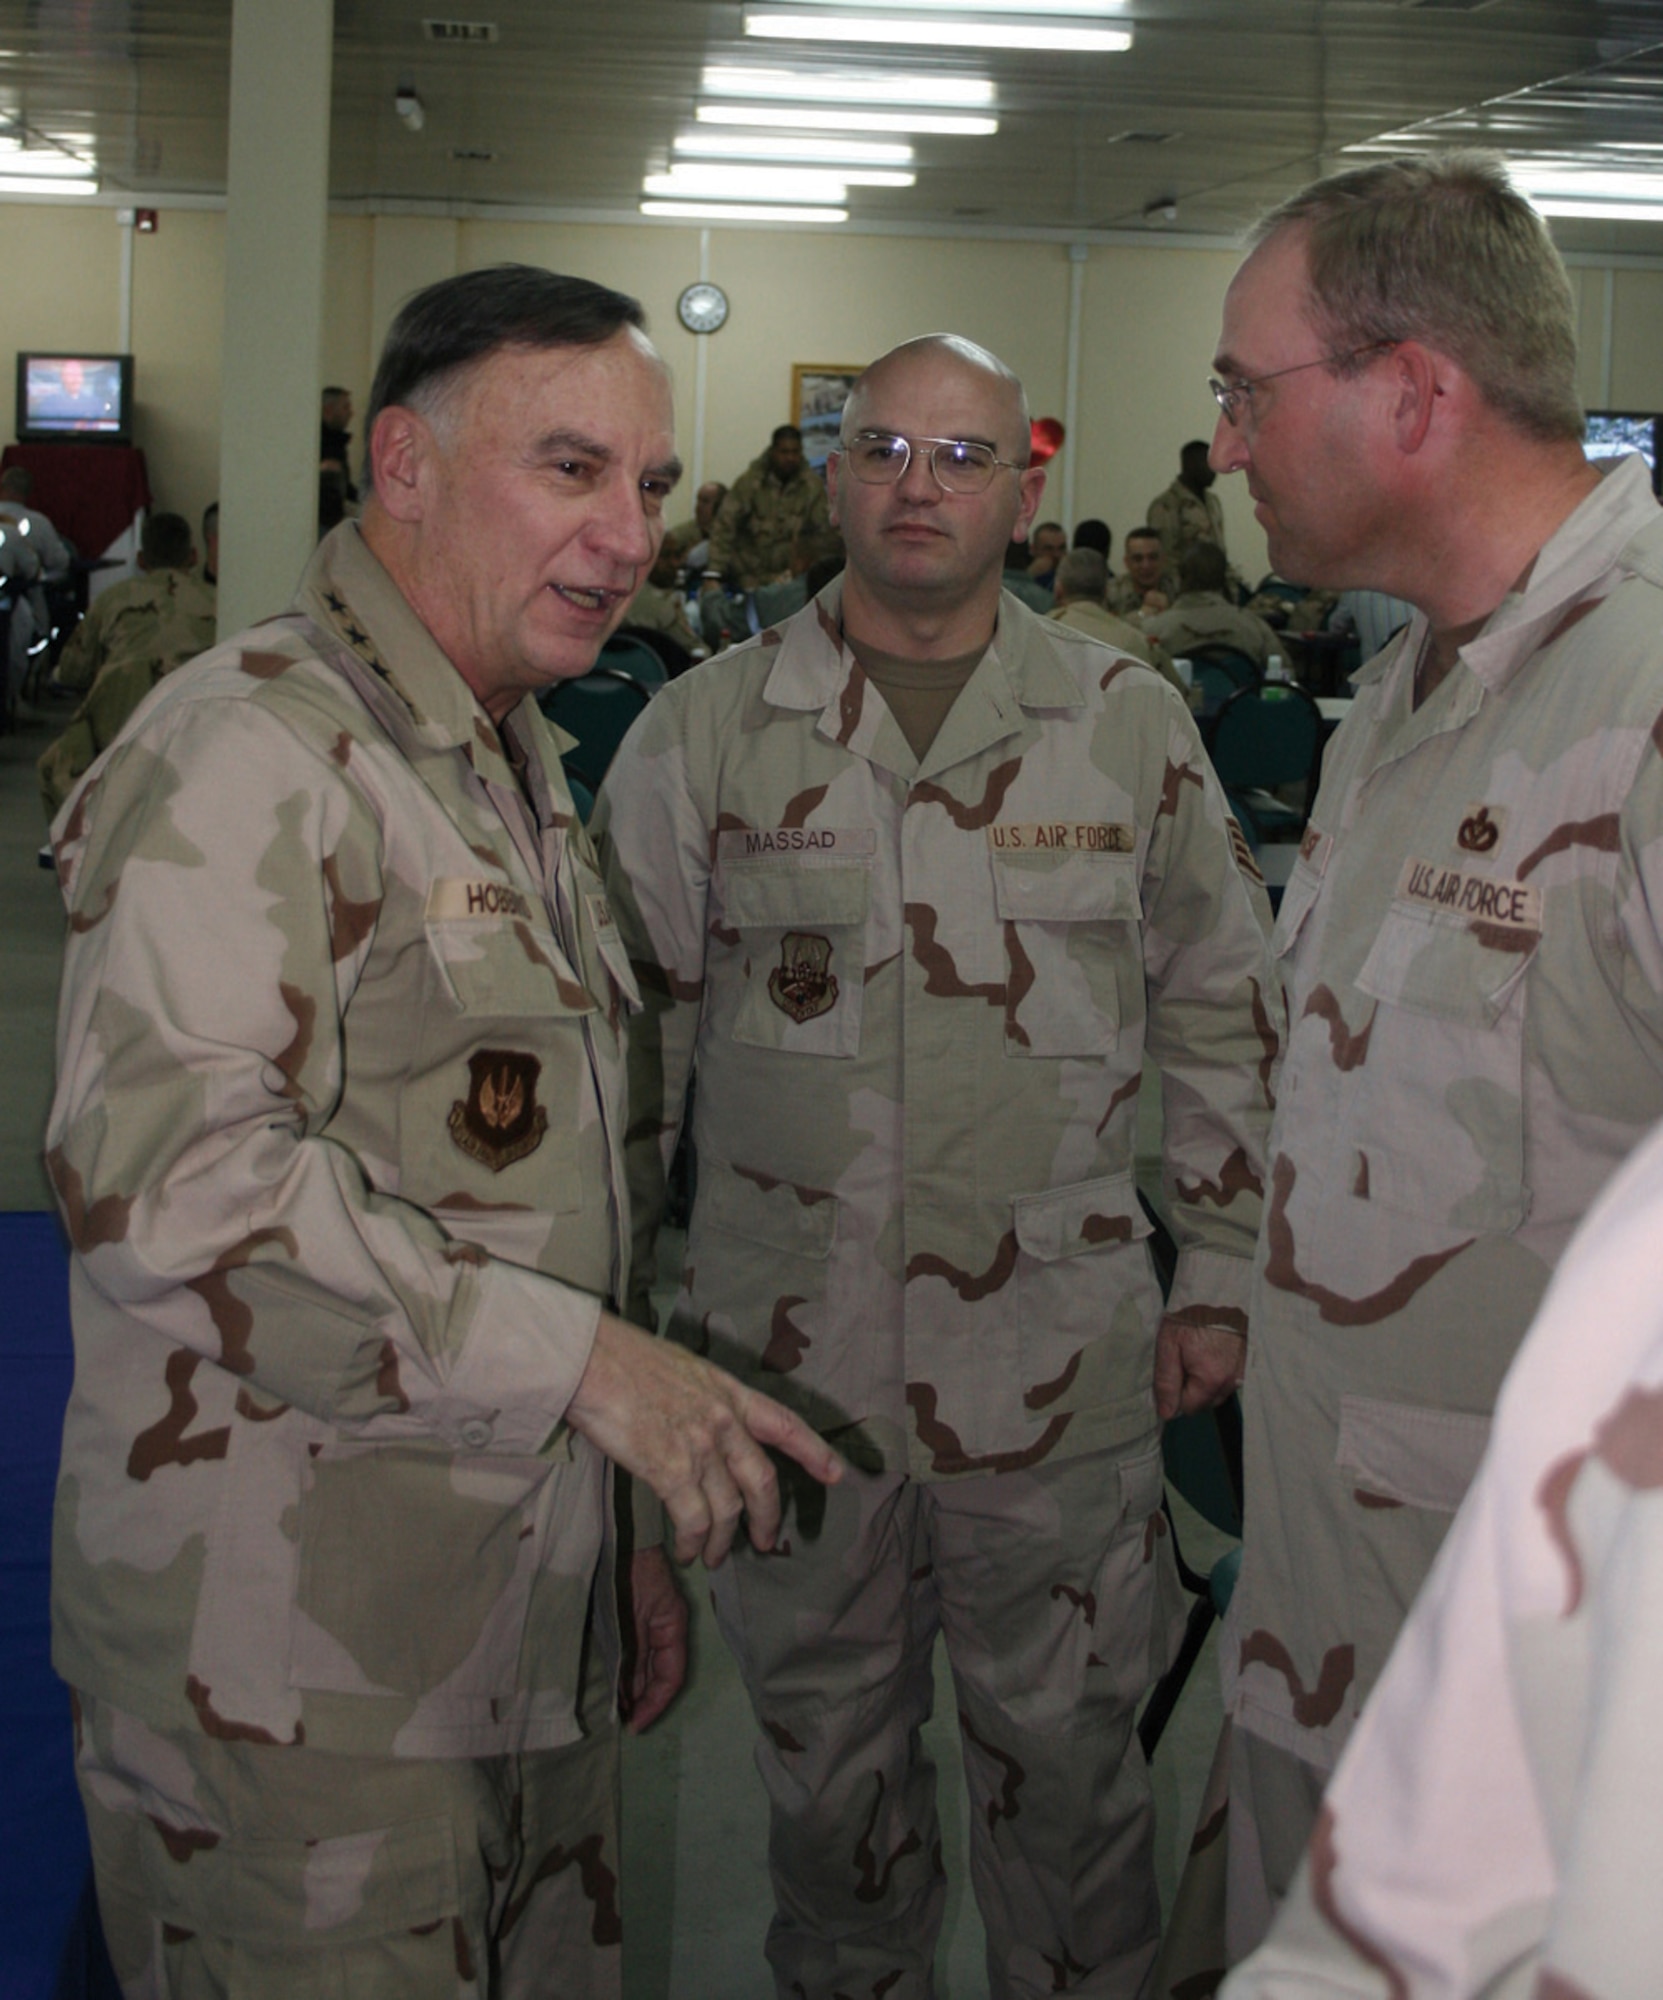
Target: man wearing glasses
1471 937
917 878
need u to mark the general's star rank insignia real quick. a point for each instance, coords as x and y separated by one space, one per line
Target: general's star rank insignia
500 1120
802 984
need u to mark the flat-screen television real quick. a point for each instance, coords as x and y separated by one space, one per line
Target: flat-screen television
83 398
1611 433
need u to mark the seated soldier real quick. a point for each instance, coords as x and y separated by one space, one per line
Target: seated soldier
128 617
1204 616
1082 581
1147 585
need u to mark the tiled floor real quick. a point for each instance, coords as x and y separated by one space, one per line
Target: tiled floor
695 1879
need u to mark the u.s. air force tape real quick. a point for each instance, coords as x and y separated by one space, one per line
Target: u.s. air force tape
1513 906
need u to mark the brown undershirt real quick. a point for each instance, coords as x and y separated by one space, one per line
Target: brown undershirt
918 692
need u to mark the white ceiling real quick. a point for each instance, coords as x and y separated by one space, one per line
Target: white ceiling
1220 106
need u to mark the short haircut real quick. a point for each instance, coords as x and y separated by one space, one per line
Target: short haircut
165 541
17 482
1093 534
1040 527
785 431
1142 535
1442 249
335 389
1204 568
447 326
1083 573
1196 448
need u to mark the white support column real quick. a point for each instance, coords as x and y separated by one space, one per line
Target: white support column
1077 255
276 219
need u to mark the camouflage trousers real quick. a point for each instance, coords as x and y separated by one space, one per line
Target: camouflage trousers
238 1871
1057 1596
1274 1801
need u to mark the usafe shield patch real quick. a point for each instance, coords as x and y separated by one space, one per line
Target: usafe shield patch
803 984
500 1120
749 843
1060 836
455 897
1478 899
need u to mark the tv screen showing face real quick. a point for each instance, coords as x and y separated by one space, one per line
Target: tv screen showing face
83 397
1615 433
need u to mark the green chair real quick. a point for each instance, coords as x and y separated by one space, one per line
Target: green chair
1219 672
597 709
1263 738
633 656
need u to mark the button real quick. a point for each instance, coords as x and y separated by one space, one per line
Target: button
476 1433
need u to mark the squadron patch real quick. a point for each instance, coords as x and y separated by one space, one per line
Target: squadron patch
803 984
500 1120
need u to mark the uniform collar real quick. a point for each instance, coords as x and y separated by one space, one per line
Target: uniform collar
814 670
347 591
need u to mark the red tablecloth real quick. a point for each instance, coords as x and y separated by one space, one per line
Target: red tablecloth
90 492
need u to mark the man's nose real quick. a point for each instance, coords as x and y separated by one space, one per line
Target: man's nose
1228 452
918 481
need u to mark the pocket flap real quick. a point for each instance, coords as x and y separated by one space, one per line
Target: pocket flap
348 1890
1434 967
771 897
1067 888
1409 1452
800 1220
1089 1215
507 970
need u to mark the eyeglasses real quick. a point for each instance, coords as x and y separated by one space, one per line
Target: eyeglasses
880 458
1235 399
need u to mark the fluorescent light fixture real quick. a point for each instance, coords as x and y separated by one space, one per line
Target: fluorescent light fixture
734 211
1081 10
747 183
936 31
44 162
1598 211
1595 190
830 86
810 118
818 152
44 184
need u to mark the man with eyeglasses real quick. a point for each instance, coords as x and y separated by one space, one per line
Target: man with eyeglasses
1471 938
916 879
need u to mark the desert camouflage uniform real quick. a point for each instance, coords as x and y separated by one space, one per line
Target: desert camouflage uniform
1208 618
1182 517
919 994
1493 1827
760 519
131 618
1125 599
1100 623
1475 985
336 1146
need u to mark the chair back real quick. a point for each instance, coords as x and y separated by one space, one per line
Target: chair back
1263 737
597 709
630 654
674 655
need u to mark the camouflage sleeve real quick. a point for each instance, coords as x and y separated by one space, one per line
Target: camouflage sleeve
1162 517
224 884
1638 887
1216 1023
78 662
655 852
730 518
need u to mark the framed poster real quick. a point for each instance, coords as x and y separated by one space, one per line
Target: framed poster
818 391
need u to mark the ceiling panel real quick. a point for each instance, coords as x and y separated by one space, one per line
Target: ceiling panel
575 100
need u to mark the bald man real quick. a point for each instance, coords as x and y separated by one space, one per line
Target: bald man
916 878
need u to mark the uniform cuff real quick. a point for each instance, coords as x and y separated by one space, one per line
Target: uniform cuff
529 1341
1212 1289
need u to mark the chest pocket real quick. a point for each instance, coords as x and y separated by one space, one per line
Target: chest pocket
495 1105
804 962
1439 1128
1073 952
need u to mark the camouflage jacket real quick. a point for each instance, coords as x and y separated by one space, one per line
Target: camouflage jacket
1182 518
336 1143
1125 600
1474 962
160 613
919 996
1208 618
761 518
1493 1826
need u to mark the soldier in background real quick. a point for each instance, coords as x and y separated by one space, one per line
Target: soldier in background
1202 615
768 525
1188 511
1081 586
337 1142
166 597
1471 938
1147 585
915 879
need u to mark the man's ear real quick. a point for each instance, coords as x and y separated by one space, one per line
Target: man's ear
1030 485
401 446
1420 378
